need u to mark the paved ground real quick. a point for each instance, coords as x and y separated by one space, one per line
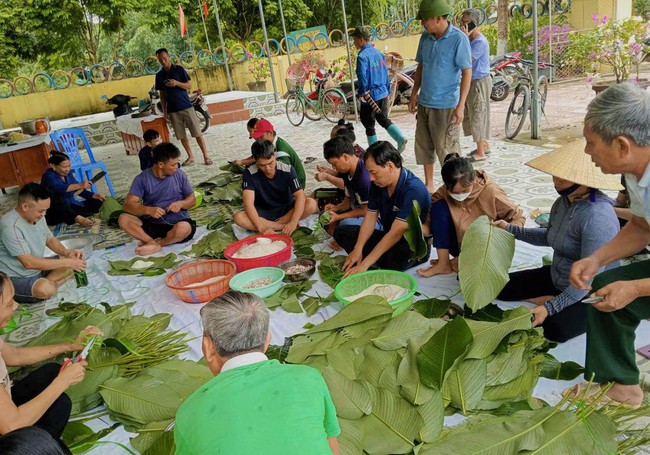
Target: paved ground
566 106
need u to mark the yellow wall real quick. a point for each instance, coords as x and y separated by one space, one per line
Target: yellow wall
76 101
583 10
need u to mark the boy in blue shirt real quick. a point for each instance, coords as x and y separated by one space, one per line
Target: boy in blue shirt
373 82
151 138
273 197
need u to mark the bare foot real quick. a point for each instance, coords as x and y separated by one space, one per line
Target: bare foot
335 246
188 162
437 269
149 248
269 231
85 222
454 264
628 394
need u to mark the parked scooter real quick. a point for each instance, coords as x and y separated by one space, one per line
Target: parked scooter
506 71
198 102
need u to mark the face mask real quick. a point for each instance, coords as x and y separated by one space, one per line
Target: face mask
567 191
460 197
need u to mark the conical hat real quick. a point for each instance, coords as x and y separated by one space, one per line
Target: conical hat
570 162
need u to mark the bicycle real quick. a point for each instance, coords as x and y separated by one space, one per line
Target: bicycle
328 102
520 104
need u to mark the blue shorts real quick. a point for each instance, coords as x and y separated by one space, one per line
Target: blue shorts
276 213
23 287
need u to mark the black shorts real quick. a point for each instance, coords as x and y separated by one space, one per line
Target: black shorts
276 213
160 230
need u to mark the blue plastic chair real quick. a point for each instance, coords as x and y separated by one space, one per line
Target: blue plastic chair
66 140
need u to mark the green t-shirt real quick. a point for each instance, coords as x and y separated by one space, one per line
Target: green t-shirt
17 238
291 158
265 408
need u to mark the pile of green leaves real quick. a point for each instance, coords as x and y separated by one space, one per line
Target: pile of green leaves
330 268
288 297
414 234
160 265
224 187
392 378
304 240
147 403
229 167
572 426
130 344
213 244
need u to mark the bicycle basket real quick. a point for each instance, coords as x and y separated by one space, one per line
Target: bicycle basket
296 76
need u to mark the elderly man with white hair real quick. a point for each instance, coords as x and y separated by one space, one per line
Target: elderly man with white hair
617 129
253 405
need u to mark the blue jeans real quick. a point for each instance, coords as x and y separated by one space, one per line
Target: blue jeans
357 222
443 229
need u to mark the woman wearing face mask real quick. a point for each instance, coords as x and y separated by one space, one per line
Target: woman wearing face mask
465 195
66 207
582 220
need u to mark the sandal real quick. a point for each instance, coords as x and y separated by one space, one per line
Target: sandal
475 151
473 159
309 159
592 394
208 162
188 162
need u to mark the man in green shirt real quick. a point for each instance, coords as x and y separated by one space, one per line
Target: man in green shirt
284 152
253 405
23 238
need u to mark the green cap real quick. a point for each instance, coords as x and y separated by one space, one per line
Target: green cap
434 8
361 32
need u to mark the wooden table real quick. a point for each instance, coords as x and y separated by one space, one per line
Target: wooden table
24 162
132 129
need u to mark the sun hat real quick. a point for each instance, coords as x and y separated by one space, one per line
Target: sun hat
434 8
261 127
570 162
361 32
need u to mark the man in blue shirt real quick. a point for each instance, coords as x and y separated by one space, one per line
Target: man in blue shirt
166 196
443 55
273 197
477 110
373 84
390 200
173 82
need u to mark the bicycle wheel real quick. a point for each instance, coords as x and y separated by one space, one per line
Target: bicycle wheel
203 119
23 85
116 71
517 111
6 88
295 109
542 90
334 105
134 68
312 111
42 82
398 28
61 79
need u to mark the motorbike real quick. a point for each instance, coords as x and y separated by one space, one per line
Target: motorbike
403 91
506 70
121 103
198 102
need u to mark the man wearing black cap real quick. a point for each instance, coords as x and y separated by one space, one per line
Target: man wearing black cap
373 84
